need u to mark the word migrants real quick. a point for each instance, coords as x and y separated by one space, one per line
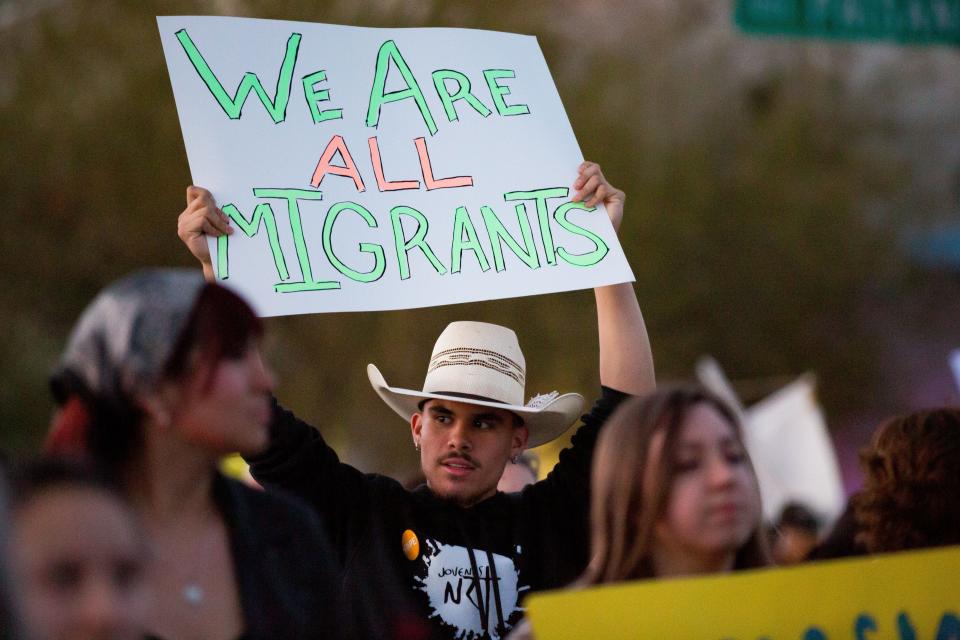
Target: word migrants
532 226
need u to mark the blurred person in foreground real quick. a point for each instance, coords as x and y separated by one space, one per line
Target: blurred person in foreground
9 618
161 377
78 556
911 496
466 553
673 493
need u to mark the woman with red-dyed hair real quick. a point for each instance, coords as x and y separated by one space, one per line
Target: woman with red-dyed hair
161 377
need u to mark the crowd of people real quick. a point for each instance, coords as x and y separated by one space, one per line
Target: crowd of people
125 528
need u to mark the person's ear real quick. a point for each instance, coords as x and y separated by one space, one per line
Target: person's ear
155 409
520 436
157 406
416 425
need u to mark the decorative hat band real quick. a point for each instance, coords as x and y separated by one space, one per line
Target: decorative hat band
480 357
482 364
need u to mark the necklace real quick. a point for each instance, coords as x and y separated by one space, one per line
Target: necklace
184 569
193 594
186 556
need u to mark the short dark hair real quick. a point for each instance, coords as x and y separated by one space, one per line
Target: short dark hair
800 517
36 476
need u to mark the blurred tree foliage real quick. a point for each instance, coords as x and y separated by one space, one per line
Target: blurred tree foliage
752 219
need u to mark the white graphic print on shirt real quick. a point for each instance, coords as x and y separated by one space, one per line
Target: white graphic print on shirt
460 600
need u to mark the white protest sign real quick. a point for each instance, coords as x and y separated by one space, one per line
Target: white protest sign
793 454
789 444
370 169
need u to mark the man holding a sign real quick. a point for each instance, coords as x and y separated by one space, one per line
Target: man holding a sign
373 169
468 553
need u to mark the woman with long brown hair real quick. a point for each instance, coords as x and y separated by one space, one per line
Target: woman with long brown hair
161 377
673 491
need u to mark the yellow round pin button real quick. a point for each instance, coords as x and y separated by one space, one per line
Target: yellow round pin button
411 546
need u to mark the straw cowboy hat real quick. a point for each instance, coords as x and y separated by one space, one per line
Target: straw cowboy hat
482 364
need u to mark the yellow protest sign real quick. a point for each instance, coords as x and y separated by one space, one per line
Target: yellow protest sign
906 596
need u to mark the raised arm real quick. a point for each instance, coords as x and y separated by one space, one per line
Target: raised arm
296 459
560 504
626 361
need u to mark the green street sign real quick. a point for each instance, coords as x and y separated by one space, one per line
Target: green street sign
905 21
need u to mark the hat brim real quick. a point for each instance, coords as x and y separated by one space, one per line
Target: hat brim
543 423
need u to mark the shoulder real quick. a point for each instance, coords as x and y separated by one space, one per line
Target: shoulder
387 485
273 507
609 399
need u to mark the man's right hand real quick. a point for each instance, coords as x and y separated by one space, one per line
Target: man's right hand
200 219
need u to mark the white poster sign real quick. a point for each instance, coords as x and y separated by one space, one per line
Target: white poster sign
793 454
789 444
369 169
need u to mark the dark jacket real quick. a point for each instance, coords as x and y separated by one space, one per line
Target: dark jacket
411 556
285 567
